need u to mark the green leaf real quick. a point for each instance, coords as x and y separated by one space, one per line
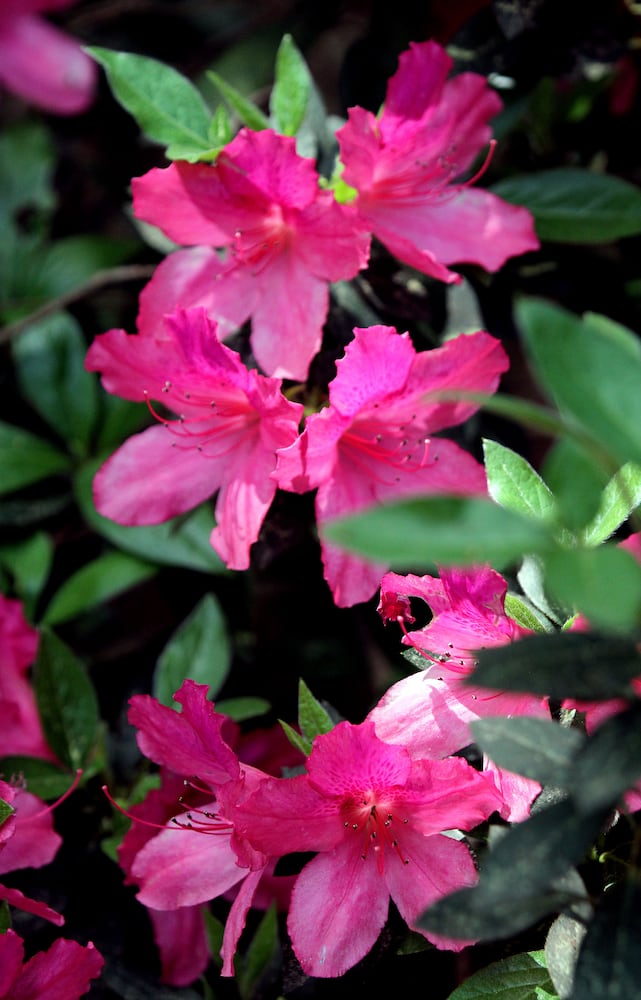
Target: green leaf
603 583
577 482
26 459
313 719
571 205
609 964
513 483
291 90
525 614
29 562
27 160
515 978
241 709
592 371
5 811
536 748
181 541
582 665
220 132
98 581
66 701
215 930
43 778
609 764
248 113
297 741
199 649
620 497
260 955
5 917
519 883
447 530
532 583
50 363
167 107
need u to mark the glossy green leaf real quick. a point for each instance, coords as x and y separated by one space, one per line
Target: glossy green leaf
572 205
96 582
620 497
50 363
447 530
610 762
603 583
609 963
26 459
536 748
166 105
291 90
200 649
5 811
513 483
181 541
66 701
29 562
519 882
576 481
592 371
526 614
519 977
313 718
248 113
582 665
43 778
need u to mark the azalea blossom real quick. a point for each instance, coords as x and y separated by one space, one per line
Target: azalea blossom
406 166
42 64
195 854
431 710
21 727
376 818
285 240
61 973
27 840
230 423
374 444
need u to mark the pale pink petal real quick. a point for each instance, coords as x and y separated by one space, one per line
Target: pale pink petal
331 240
184 201
236 918
288 318
45 66
242 504
338 909
437 866
189 742
181 939
34 842
16 898
152 478
197 277
287 815
181 867
518 793
61 973
465 225
350 578
11 955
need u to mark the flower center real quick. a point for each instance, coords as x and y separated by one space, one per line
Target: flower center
257 245
376 821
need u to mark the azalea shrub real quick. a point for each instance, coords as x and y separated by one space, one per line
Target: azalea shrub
320 550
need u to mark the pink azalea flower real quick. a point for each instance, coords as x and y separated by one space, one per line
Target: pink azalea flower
197 854
406 163
430 712
21 727
42 64
376 817
231 421
61 973
285 241
373 443
27 840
